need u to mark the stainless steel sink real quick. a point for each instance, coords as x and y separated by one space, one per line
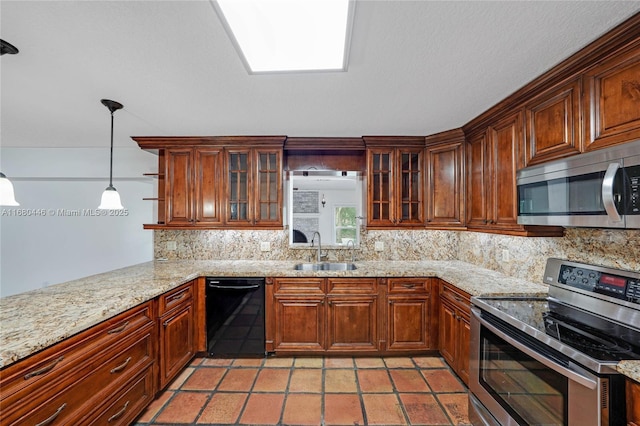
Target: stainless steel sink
325 266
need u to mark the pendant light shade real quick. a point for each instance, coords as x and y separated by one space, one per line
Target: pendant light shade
110 197
7 197
110 200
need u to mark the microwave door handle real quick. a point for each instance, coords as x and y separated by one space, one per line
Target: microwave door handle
607 193
570 374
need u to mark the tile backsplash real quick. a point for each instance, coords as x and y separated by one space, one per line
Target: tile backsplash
526 256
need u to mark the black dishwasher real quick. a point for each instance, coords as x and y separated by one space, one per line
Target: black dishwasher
235 317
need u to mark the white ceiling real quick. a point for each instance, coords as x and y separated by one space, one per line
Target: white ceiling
415 68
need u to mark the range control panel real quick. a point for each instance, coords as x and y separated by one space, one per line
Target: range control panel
617 286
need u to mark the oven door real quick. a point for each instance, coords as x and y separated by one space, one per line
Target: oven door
520 381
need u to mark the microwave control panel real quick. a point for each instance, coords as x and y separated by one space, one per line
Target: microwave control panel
617 286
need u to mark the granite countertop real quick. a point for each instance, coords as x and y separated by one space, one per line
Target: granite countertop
35 320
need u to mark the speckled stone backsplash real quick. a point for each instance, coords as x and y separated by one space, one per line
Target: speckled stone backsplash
528 256
620 249
238 245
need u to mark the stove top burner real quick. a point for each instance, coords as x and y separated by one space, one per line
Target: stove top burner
587 339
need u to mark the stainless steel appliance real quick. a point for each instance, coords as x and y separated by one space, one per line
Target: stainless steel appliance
235 317
552 360
596 189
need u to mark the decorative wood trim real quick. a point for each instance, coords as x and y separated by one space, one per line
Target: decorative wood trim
323 144
449 136
393 141
153 143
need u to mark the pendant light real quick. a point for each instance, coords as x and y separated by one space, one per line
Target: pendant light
7 197
110 197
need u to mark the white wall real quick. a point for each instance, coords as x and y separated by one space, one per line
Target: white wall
43 242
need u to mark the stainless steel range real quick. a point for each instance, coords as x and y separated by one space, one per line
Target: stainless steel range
552 361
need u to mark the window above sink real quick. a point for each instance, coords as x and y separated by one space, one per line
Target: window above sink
329 202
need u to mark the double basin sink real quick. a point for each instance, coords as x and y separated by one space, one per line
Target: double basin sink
325 266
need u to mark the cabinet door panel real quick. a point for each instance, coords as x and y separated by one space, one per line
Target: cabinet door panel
612 97
444 184
238 167
208 186
299 323
352 323
410 187
176 342
178 198
380 166
448 333
553 124
269 188
477 181
408 323
505 139
464 339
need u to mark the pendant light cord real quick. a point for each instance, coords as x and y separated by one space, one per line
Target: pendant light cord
111 155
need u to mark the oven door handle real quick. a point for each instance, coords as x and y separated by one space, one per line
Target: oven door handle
572 375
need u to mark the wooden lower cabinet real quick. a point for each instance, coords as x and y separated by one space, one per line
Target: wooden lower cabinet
177 331
351 315
455 329
633 403
408 323
299 323
78 380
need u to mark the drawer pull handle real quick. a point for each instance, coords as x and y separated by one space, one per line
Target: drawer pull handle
121 366
43 369
407 285
119 414
53 416
119 329
458 299
178 296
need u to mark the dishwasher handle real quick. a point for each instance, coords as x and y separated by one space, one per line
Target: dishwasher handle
215 284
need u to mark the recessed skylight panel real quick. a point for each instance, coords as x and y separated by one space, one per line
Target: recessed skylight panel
289 35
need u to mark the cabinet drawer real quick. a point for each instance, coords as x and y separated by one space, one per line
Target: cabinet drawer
459 298
352 286
128 403
42 371
175 298
66 397
299 286
409 285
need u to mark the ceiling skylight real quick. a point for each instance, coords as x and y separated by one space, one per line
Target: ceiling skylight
289 35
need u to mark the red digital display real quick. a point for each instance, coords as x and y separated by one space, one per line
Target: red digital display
613 281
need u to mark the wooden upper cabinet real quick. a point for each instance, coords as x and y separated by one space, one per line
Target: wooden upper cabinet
178 186
218 181
612 99
477 180
504 142
208 187
553 124
192 186
445 198
395 167
254 186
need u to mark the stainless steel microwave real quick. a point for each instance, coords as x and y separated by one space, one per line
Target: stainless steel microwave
599 189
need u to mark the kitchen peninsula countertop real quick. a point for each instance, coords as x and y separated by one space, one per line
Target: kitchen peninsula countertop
37 319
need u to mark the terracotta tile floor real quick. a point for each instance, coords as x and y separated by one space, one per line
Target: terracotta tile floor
312 391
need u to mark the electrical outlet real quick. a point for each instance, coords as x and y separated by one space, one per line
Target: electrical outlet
379 246
265 246
506 256
171 245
